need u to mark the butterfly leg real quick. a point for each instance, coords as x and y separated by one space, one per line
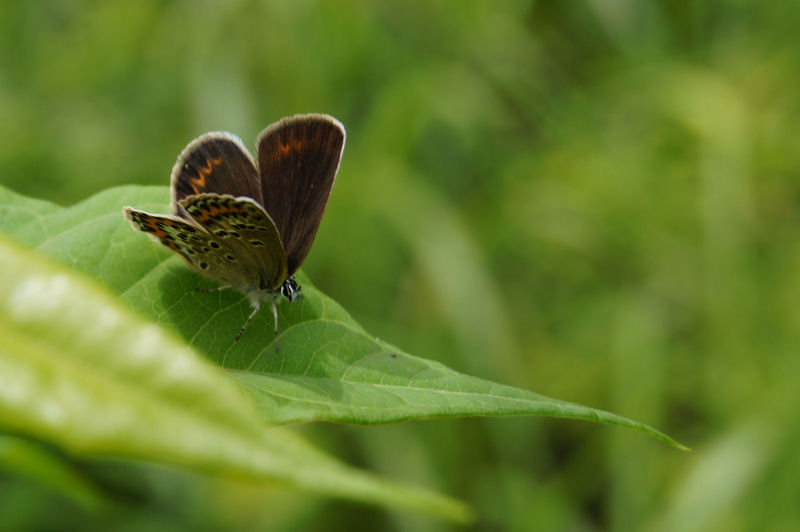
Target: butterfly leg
256 308
215 289
275 314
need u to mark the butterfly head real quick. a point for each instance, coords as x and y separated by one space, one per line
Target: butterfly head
291 290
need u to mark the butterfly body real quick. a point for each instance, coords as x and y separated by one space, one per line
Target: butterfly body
249 227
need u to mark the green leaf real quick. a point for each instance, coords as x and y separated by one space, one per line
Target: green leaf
328 367
27 459
80 371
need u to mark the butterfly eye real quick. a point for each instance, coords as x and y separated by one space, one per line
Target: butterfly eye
291 290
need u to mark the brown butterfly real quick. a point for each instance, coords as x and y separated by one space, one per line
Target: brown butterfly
250 226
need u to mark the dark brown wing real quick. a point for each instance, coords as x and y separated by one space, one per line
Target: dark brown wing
298 158
216 163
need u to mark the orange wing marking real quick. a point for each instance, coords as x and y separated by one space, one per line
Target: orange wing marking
294 145
199 183
155 230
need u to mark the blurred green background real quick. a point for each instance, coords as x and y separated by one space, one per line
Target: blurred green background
598 201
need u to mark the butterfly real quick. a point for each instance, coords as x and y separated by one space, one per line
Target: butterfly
249 225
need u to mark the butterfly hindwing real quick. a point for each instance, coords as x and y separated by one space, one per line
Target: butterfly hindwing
244 227
217 163
298 158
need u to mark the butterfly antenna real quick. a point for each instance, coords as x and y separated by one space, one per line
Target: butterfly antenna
247 322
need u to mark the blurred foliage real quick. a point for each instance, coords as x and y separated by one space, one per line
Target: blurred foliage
596 200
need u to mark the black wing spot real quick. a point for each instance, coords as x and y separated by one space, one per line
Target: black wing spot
214 245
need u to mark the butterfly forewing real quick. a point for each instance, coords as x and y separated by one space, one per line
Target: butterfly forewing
257 260
298 158
203 251
218 163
